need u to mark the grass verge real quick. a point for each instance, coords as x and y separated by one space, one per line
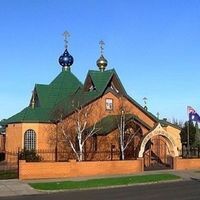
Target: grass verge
8 175
104 182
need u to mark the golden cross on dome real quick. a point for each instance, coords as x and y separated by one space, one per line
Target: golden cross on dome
66 35
101 46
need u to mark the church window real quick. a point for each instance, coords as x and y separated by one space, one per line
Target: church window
30 140
109 104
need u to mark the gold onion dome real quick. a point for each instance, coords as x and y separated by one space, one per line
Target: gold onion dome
102 63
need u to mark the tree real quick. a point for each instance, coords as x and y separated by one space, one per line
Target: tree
197 136
184 133
74 129
177 122
126 133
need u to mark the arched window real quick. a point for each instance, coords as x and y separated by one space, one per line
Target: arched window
30 140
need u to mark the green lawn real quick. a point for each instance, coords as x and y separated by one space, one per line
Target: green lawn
103 182
8 175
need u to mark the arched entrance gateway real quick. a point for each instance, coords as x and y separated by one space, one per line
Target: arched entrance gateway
158 149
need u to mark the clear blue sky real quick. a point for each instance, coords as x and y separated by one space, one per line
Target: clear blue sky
154 46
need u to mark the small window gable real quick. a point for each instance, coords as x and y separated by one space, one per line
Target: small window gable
89 85
34 100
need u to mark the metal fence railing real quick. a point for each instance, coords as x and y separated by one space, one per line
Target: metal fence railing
193 152
9 165
53 155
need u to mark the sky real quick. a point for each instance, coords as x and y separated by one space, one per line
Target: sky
153 45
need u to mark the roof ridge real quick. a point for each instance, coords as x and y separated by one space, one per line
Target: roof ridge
61 74
139 106
41 84
92 70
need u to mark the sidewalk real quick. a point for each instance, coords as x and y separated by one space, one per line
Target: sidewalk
188 175
16 187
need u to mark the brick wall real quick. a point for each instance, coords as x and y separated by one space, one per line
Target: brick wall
186 164
42 170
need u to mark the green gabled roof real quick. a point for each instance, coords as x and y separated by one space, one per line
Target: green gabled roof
67 80
30 115
42 90
110 123
65 84
73 101
102 79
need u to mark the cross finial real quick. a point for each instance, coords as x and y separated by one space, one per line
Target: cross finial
66 35
101 46
145 100
158 115
145 103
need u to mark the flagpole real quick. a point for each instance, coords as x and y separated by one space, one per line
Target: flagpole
188 138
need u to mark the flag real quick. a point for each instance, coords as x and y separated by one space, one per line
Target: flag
193 115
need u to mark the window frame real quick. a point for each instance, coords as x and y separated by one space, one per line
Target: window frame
30 140
107 104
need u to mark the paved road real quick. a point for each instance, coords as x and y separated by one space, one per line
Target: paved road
183 190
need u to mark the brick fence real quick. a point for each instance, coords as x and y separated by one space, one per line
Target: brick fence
186 164
42 170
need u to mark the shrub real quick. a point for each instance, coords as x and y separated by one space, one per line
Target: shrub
29 156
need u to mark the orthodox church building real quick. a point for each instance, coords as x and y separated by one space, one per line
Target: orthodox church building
108 110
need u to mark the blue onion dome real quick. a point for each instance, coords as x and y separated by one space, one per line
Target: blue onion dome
66 60
102 63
